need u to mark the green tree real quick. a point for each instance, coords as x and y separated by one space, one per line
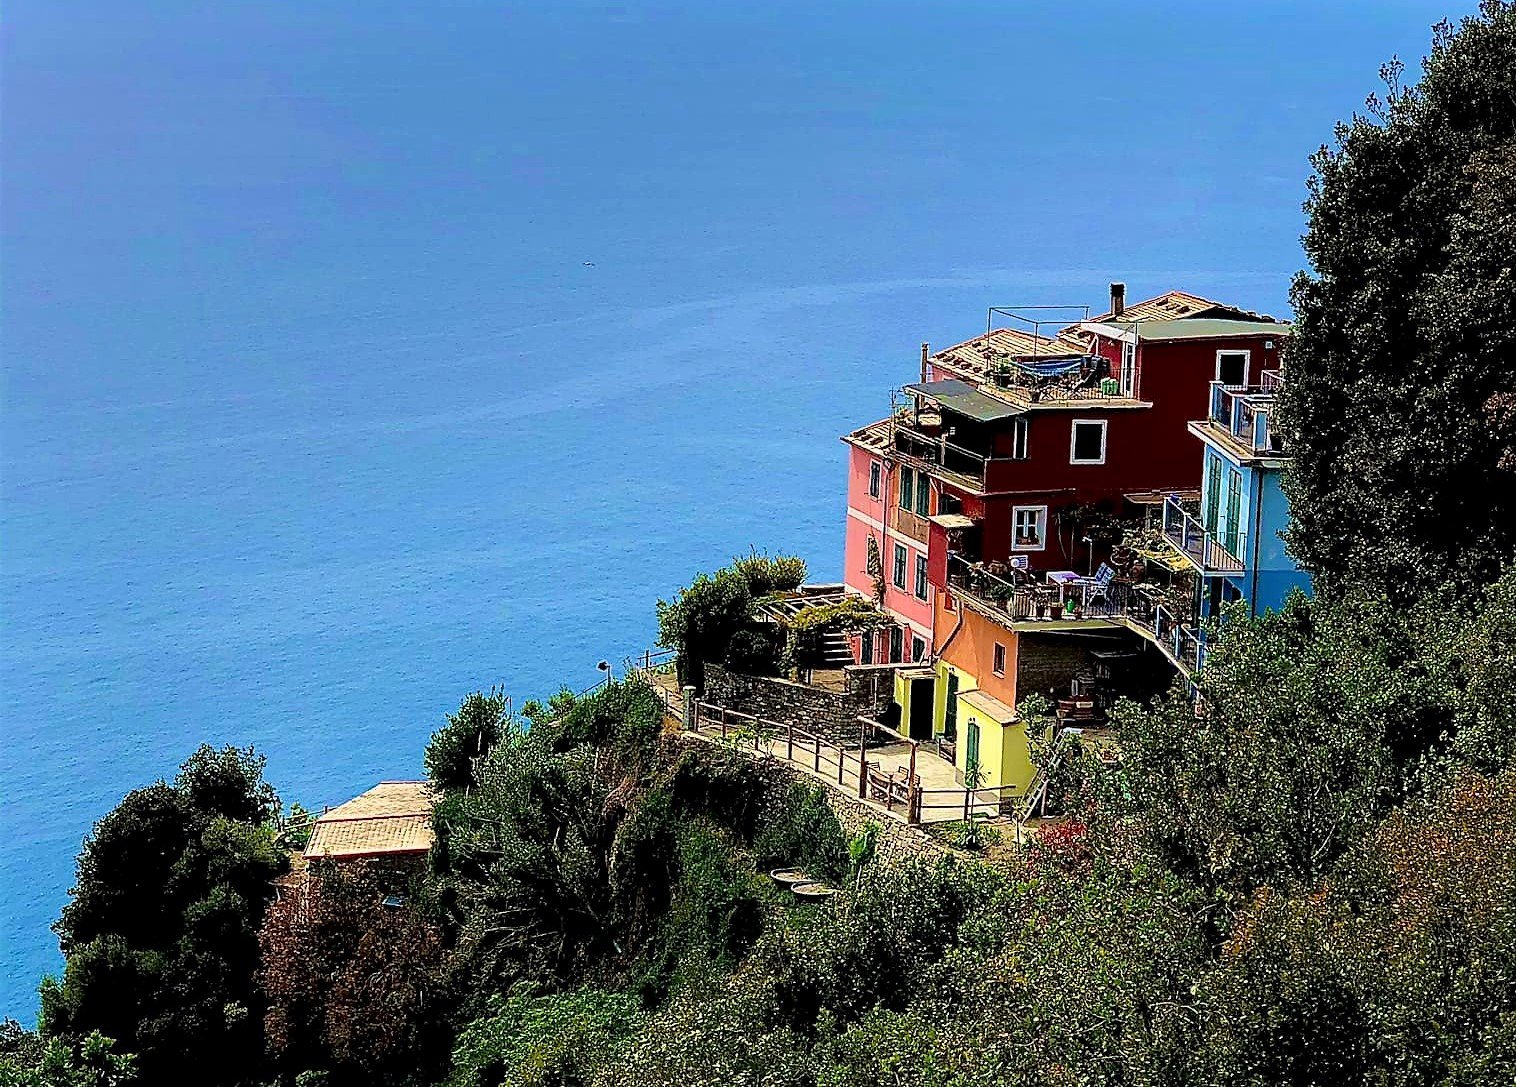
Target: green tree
160 933
468 736
1401 400
27 1060
700 621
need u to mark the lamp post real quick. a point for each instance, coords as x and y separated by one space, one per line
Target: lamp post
605 666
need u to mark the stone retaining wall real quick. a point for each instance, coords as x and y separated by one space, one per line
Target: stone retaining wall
832 715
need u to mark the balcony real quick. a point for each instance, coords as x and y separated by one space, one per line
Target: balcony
1207 554
1243 413
1167 617
964 468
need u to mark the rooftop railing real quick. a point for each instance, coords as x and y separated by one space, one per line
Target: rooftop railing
1054 380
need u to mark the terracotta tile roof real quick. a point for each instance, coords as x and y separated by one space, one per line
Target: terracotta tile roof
875 437
1172 305
973 358
392 817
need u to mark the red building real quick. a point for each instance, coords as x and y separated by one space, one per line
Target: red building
1017 446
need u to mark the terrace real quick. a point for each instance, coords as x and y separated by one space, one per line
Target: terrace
1037 362
1164 614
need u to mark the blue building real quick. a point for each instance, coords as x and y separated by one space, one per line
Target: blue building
1236 543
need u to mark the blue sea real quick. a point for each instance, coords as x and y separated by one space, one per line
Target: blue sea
360 355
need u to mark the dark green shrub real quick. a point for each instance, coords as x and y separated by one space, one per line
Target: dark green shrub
754 652
804 833
467 737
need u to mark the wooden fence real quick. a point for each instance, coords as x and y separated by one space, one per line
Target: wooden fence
898 790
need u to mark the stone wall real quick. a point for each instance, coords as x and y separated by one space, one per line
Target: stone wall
868 689
1049 662
896 841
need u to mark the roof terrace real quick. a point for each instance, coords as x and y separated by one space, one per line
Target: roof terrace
1039 360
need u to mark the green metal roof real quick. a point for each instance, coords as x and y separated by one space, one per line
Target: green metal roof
1203 328
963 398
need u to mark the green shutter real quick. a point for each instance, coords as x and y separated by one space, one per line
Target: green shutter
923 494
1212 493
907 487
971 753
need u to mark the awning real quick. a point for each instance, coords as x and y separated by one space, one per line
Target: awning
951 520
963 398
992 708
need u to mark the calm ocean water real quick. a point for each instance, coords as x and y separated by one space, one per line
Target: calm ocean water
356 356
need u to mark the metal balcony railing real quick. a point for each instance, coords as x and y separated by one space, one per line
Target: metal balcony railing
1172 624
1204 551
1244 412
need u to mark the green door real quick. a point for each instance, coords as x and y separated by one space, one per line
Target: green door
971 750
950 716
1233 510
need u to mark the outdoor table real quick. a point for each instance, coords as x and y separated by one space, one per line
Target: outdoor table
1063 579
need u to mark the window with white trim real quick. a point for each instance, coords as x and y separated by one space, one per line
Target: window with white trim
1019 428
1128 368
1087 441
874 479
918 649
900 557
1029 528
921 582
1232 368
999 659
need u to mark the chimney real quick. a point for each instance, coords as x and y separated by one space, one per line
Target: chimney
924 350
1118 299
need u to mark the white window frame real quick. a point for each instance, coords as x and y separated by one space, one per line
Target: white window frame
1103 424
922 588
1247 363
1020 430
876 479
900 572
1042 527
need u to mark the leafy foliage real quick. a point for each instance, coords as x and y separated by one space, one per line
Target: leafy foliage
160 932
27 1060
468 736
767 574
555 1040
1400 397
355 987
702 619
